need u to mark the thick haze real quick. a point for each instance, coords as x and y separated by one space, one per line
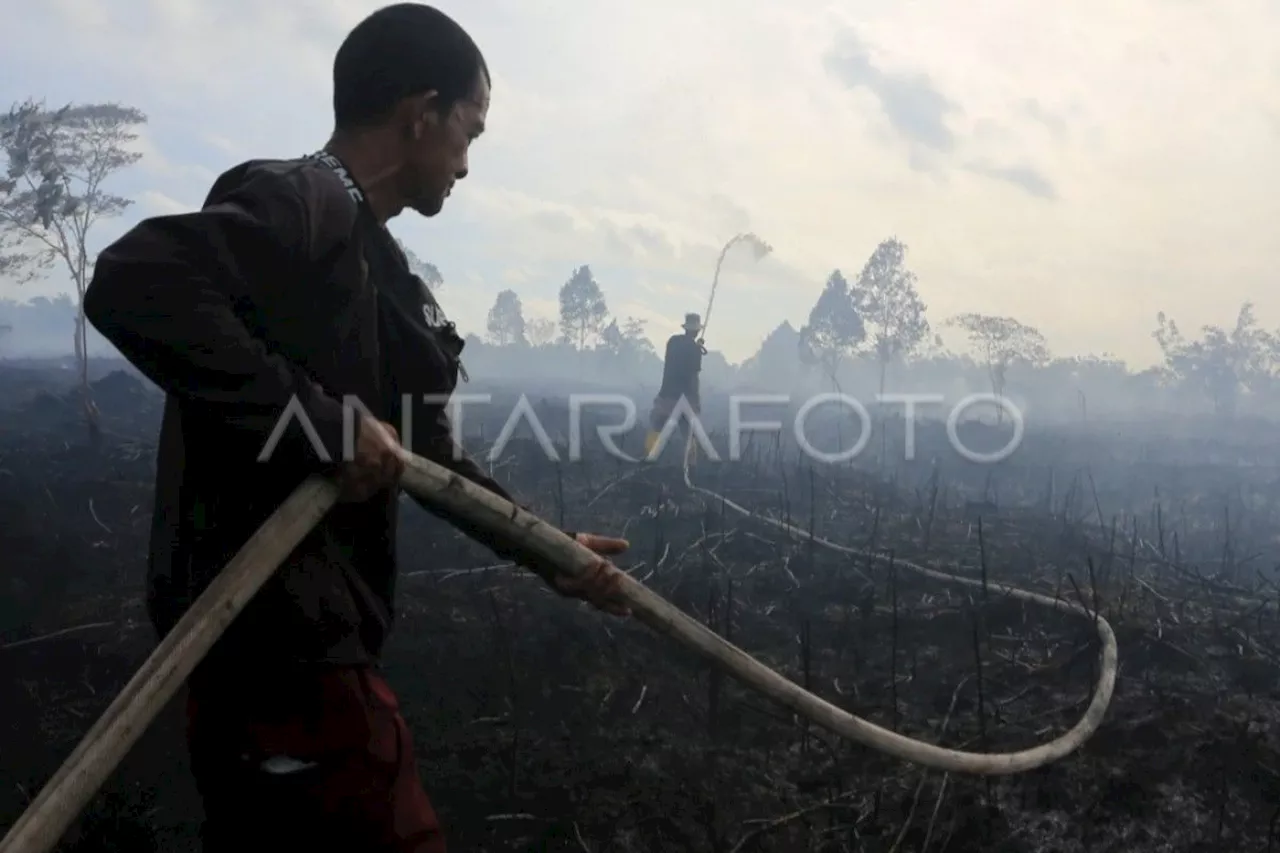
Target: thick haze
1078 166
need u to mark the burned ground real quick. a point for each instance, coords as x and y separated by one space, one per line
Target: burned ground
543 725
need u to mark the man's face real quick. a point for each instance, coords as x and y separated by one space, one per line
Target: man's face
436 157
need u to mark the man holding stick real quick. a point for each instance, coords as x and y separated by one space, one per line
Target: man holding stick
681 365
261 316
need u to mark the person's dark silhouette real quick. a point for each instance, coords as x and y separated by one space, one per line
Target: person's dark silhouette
682 364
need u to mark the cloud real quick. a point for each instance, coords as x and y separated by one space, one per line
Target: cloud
1078 166
910 101
1033 110
1024 177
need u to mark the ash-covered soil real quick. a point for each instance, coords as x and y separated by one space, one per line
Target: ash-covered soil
543 725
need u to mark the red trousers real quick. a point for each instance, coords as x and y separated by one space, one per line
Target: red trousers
360 792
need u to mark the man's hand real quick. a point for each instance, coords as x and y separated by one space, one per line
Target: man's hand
600 584
378 463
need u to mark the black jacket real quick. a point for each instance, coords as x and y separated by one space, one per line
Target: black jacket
283 287
680 367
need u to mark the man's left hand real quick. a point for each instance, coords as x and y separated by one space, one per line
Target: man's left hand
600 584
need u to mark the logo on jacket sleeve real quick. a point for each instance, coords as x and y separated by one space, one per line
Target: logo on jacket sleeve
432 314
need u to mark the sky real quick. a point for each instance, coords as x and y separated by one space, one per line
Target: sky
1078 166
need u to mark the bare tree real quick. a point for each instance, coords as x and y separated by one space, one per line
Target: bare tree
835 327
1002 342
890 306
506 320
52 196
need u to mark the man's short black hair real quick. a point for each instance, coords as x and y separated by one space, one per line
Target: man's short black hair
398 51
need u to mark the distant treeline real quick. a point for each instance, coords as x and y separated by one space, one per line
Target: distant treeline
1064 389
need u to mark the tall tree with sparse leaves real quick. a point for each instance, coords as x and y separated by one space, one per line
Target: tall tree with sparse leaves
891 307
583 309
835 328
1002 342
506 320
52 194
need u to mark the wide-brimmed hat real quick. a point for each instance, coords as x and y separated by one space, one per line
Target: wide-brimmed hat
692 322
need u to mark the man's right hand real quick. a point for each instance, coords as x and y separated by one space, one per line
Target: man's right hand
378 463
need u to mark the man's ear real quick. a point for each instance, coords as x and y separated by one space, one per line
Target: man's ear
421 114
428 107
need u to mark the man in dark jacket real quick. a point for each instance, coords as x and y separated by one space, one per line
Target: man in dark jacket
681 365
287 293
